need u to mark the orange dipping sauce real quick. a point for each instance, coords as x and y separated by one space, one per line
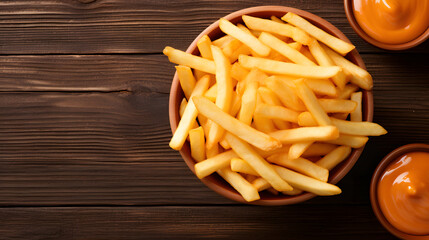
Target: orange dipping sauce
403 193
392 21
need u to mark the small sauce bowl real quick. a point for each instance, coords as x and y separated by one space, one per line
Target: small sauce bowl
379 171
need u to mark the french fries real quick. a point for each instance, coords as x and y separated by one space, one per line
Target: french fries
281 113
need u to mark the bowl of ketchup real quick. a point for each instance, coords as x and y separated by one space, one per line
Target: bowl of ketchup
400 192
389 24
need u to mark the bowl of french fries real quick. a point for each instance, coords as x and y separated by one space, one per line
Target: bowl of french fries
270 105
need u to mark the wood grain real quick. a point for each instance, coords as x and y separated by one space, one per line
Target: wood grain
203 222
131 26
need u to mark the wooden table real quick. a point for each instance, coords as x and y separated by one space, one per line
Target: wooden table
84 127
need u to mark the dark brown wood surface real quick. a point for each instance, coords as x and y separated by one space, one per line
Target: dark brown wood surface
84 127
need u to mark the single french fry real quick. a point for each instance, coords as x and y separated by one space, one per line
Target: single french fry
285 93
284 49
251 41
324 60
186 79
189 116
261 184
211 165
358 75
211 93
265 154
187 59
356 115
312 104
333 158
282 29
349 140
337 105
294 192
358 128
347 91
203 45
199 74
238 72
277 112
248 103
319 149
291 69
335 43
301 165
224 144
230 47
224 92
262 167
241 130
308 184
341 116
182 107
296 45
276 19
303 134
236 104
305 119
297 149
197 142
268 96
251 31
239 165
322 87
246 189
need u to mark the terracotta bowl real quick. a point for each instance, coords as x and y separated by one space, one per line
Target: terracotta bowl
214 181
348 7
379 171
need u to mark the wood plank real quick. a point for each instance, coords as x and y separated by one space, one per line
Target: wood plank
125 26
204 222
89 148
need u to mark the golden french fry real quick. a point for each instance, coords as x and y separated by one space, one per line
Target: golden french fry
211 165
268 96
358 128
261 184
211 93
196 140
189 115
285 93
322 87
349 140
347 91
239 165
305 119
243 49
284 49
224 92
303 134
342 116
301 165
265 154
335 43
358 75
213 151
324 60
296 45
337 105
250 178
291 69
251 41
333 158
308 184
282 29
224 144
186 79
182 107
220 42
238 72
262 123
297 149
230 47
236 104
203 45
312 104
318 149
356 115
276 19
246 189
248 103
187 59
277 112
262 167
294 192
241 130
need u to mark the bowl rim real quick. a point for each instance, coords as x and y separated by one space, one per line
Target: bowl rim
380 169
176 94
348 8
